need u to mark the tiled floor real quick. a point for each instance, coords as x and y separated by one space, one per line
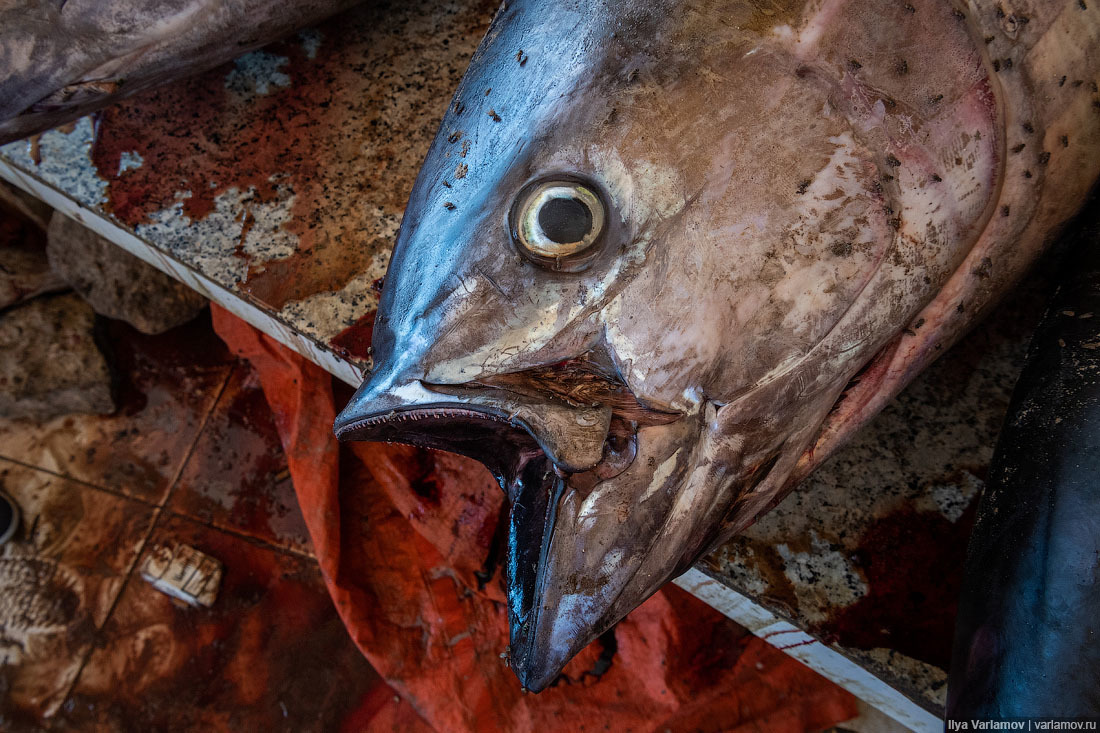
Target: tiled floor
237 478
59 581
191 457
167 386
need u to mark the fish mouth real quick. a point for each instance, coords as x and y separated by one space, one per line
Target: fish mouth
482 432
543 433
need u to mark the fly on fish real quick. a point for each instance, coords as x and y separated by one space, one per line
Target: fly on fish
692 248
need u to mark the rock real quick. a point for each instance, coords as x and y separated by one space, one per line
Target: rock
49 362
116 283
24 270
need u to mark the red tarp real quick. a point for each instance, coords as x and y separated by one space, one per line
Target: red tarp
399 534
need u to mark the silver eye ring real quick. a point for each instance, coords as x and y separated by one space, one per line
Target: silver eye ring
558 224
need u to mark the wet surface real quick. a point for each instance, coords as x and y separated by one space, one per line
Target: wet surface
192 457
287 175
868 552
59 578
285 181
160 665
354 341
169 384
237 477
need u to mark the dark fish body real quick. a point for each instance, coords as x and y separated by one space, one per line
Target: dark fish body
60 59
664 257
1027 638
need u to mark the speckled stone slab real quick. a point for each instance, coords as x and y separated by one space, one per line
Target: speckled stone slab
281 177
279 180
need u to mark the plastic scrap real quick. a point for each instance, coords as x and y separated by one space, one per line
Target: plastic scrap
184 573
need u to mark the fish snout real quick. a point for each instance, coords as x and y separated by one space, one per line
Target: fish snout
590 473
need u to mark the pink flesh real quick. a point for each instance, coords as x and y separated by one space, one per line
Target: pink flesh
1034 198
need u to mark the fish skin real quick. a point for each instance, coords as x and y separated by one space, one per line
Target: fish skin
798 193
1025 639
65 58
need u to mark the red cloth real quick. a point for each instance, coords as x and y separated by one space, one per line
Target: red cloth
399 533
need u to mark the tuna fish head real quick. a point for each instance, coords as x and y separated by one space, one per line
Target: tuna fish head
647 252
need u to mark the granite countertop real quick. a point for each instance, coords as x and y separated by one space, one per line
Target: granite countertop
282 176
276 184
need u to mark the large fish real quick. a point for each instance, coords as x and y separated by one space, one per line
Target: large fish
1025 634
664 257
60 59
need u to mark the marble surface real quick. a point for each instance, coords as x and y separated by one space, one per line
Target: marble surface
282 178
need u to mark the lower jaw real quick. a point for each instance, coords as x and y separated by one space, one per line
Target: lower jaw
534 495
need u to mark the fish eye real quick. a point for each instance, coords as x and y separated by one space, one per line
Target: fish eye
557 224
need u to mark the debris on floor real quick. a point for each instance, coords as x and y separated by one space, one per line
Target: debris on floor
184 573
192 483
86 644
50 363
59 576
116 283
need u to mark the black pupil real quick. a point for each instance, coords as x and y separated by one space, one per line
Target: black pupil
565 220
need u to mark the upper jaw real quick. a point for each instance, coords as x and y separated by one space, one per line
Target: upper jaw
424 414
567 408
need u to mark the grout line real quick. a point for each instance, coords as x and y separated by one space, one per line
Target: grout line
160 516
187 459
122 494
198 436
172 486
81 482
156 515
251 539
158 512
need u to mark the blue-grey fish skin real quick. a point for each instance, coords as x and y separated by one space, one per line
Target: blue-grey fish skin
802 204
1027 635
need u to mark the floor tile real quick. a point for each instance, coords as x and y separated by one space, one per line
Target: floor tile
269 655
166 386
59 577
236 477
